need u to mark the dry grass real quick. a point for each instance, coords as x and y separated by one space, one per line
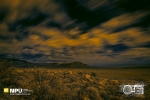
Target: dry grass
74 84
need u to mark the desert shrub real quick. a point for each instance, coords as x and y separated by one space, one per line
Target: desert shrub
77 84
115 97
64 85
7 74
70 72
113 87
101 88
87 76
104 95
79 73
93 74
47 85
103 82
94 94
89 93
72 78
5 69
114 81
4 65
36 79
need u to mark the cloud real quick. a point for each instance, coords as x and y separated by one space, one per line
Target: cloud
94 32
80 11
23 14
134 37
137 52
130 56
93 5
123 21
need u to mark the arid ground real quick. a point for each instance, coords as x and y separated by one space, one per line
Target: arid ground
74 84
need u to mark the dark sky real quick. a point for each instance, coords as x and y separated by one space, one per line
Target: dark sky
95 32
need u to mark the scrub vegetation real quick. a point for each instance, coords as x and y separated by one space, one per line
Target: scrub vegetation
72 84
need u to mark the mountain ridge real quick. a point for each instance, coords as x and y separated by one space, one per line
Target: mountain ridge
25 64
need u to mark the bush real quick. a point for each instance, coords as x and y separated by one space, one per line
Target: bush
62 85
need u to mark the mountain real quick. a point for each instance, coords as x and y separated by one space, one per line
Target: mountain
25 64
74 65
16 62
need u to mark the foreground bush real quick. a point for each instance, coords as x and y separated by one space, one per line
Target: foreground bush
62 85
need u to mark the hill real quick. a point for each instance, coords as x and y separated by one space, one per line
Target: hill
25 64
16 63
74 65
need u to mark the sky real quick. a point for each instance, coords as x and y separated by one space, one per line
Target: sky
94 32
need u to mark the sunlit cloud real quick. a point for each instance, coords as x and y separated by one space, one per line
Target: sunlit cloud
93 32
134 37
123 21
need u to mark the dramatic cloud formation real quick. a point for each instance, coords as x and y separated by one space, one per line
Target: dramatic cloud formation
91 31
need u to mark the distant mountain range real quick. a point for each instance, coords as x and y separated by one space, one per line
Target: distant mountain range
25 64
